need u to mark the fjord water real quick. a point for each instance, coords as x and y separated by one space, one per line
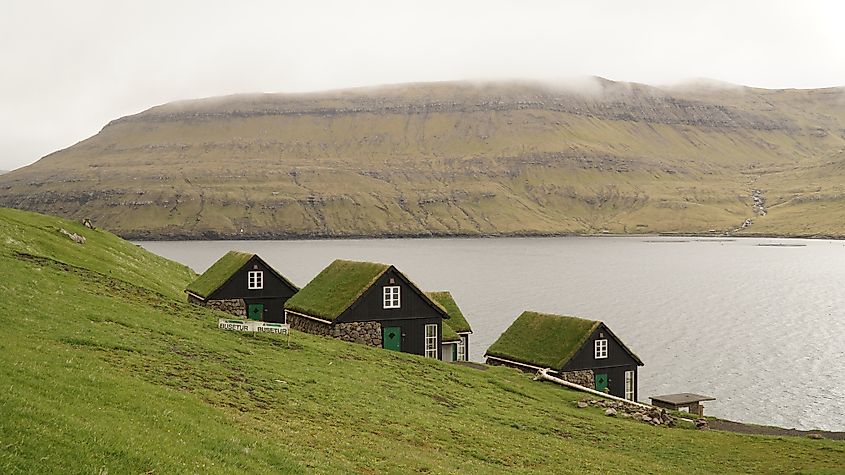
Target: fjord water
757 323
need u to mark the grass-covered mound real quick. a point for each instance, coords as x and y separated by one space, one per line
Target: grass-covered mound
105 368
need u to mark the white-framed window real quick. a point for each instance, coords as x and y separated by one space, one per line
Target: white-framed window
391 296
431 340
462 349
255 280
601 349
629 385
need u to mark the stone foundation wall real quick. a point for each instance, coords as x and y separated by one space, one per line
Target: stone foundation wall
307 325
365 333
236 307
584 377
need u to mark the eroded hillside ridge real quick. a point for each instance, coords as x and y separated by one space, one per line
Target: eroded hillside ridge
616 101
458 159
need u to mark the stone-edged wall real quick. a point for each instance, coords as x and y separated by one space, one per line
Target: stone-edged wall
307 325
236 307
584 377
365 333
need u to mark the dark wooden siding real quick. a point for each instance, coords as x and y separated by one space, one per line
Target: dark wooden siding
274 308
370 306
617 362
412 315
413 333
236 286
585 357
616 379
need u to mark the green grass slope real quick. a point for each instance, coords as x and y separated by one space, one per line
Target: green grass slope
456 159
101 372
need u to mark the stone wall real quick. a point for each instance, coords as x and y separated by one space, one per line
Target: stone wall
584 377
365 333
236 307
307 325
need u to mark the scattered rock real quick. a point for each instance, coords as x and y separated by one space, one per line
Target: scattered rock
702 424
654 416
88 224
815 436
73 236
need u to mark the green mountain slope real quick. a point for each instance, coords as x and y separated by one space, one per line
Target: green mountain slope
458 159
102 372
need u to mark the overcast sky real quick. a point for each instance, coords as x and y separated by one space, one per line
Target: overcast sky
69 67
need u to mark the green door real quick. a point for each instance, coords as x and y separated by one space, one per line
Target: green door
255 311
393 338
601 382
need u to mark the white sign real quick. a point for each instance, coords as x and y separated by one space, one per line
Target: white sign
253 326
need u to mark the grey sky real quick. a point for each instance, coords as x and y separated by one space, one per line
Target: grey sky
71 66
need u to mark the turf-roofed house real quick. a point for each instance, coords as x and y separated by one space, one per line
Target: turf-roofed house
456 329
369 303
583 352
244 285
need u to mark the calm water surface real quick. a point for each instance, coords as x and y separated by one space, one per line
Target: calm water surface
757 323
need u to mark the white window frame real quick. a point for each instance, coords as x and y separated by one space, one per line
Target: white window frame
600 348
391 294
255 280
462 349
431 340
629 385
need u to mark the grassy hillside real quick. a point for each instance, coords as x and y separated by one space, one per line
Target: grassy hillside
105 368
457 159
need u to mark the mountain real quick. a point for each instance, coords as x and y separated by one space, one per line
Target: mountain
107 369
498 158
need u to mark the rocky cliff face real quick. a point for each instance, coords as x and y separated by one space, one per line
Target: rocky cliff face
457 159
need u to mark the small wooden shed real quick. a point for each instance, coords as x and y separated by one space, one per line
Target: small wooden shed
369 303
456 330
580 351
242 284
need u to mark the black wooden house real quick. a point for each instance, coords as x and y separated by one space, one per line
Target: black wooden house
583 352
369 303
243 285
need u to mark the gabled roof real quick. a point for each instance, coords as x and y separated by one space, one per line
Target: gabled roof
543 340
457 322
221 271
340 285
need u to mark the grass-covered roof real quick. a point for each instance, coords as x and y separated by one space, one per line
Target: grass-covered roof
542 339
449 334
334 289
457 322
219 273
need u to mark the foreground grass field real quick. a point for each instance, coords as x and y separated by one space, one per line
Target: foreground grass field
105 368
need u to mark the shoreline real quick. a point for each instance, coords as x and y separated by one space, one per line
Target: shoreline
754 429
270 236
